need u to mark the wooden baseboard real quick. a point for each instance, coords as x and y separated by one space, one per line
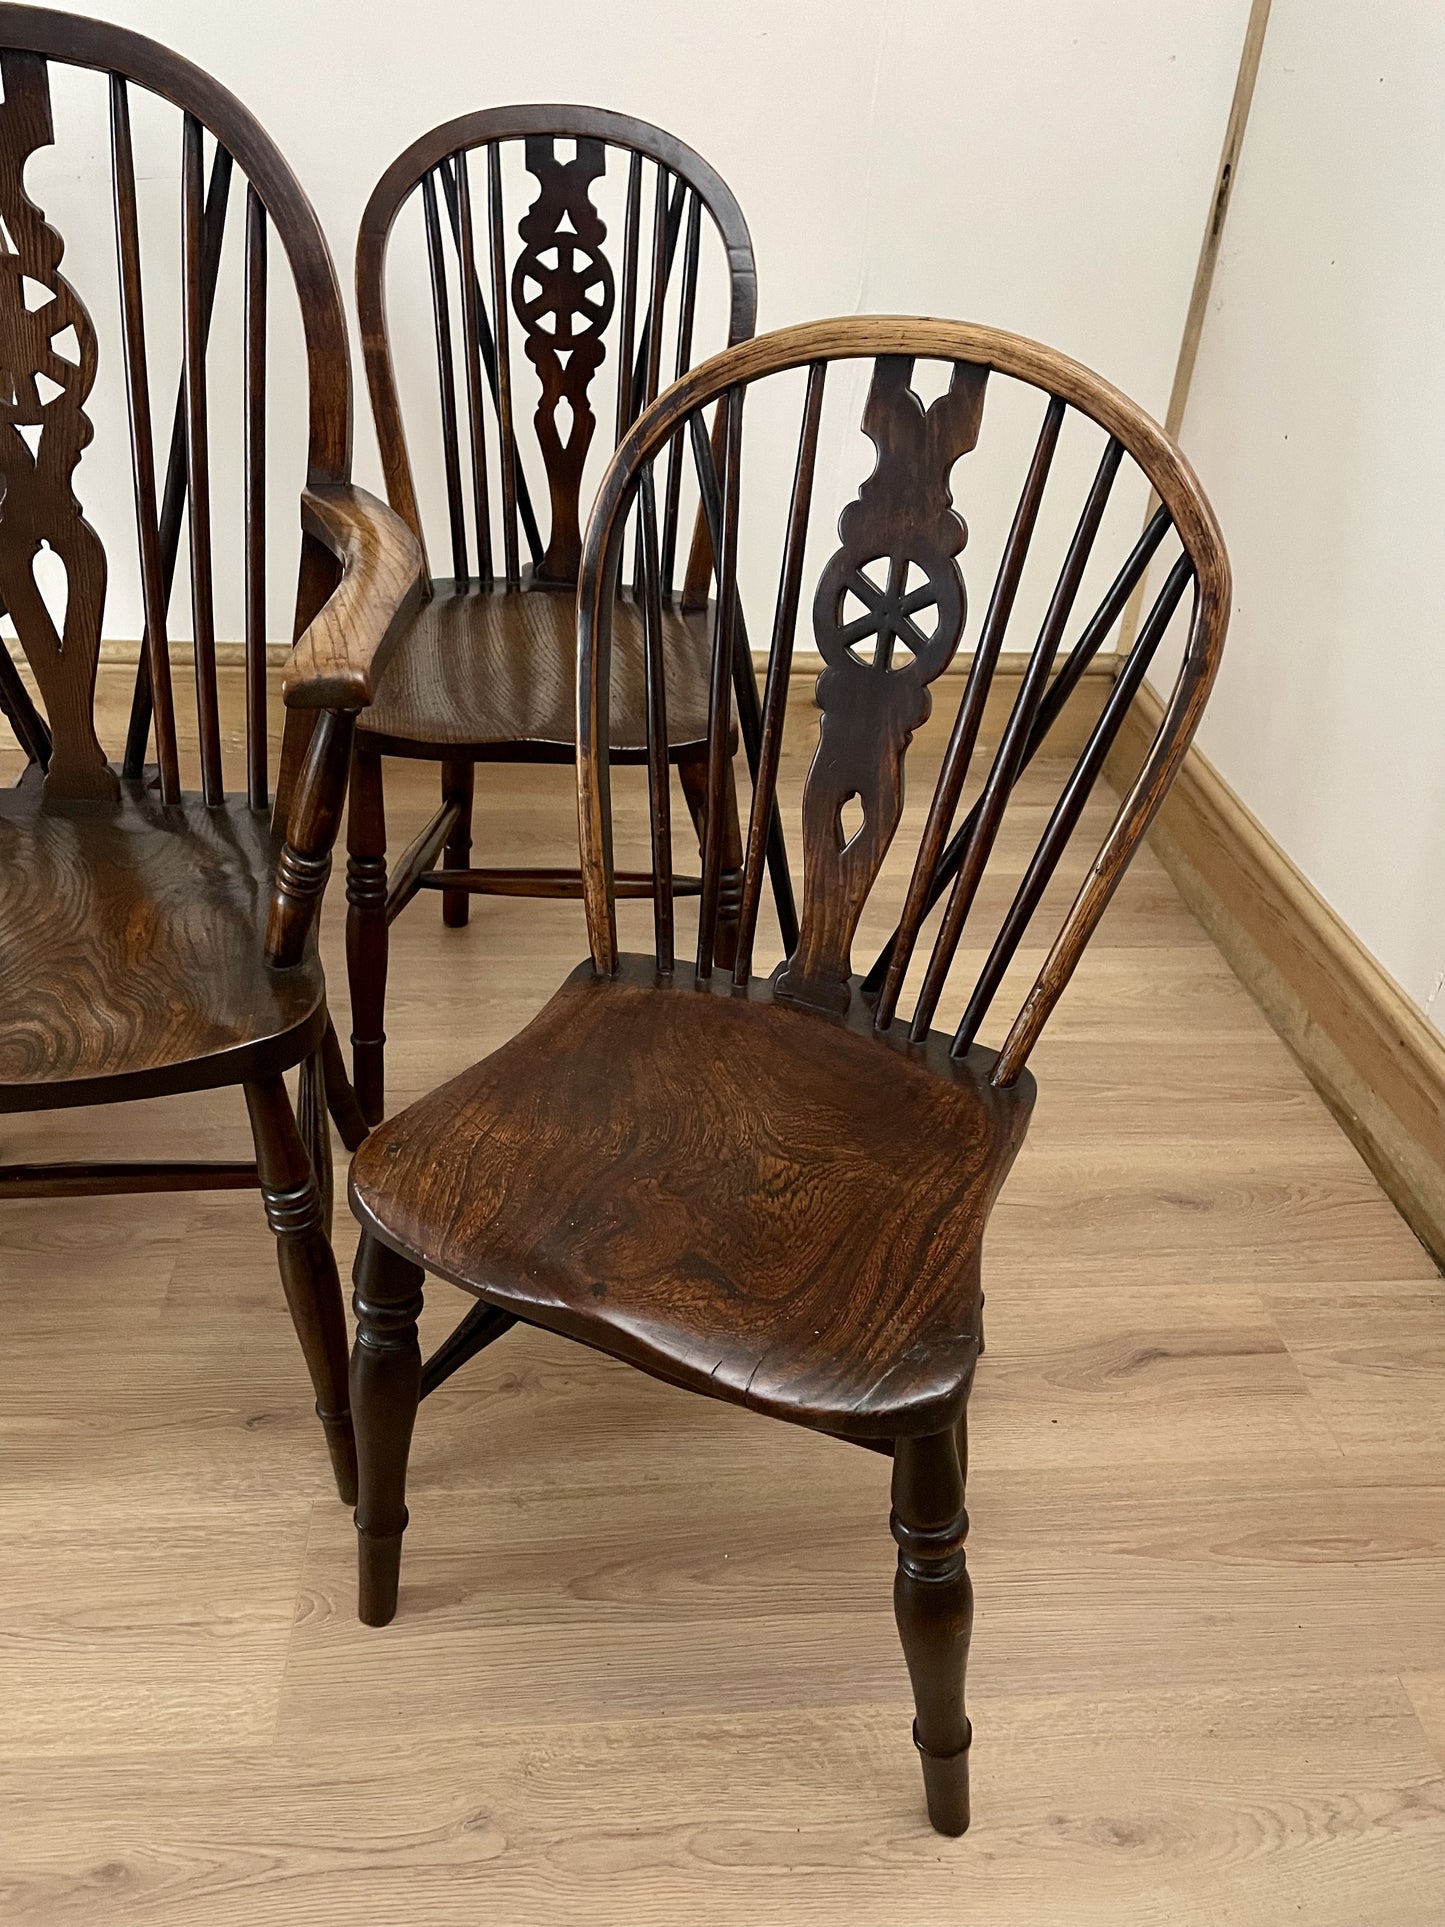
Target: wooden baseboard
229 655
1068 737
1370 1052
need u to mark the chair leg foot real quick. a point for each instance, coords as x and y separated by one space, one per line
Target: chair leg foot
459 778
385 1393
945 1787
367 941
378 1576
933 1605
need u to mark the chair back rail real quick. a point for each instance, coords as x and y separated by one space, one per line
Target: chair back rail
551 276
45 432
889 614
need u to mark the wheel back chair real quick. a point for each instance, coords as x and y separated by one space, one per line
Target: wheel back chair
487 671
773 1188
154 938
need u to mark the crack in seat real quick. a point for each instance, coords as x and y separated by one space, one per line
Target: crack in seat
494 671
719 1188
131 958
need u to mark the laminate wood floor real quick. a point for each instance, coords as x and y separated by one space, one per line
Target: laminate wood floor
644 1670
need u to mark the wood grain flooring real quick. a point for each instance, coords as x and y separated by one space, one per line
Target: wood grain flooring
644 1669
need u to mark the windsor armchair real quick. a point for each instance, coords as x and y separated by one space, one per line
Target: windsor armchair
156 938
487 670
773 1188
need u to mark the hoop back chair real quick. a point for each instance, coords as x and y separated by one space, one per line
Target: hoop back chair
487 671
156 938
773 1188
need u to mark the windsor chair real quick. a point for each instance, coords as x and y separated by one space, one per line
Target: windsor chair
155 938
773 1188
487 670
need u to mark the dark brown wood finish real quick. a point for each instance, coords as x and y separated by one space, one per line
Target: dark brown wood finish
153 941
774 1190
40 503
487 671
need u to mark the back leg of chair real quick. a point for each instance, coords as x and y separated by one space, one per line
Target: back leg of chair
933 1605
366 931
693 773
340 1097
386 1390
459 776
295 1213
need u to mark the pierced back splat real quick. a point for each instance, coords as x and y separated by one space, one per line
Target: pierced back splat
38 507
874 691
563 292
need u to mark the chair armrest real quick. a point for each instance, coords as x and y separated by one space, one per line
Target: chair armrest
341 653
334 669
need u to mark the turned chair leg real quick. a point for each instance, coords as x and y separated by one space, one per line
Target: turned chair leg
385 1392
294 1211
933 1605
366 932
459 777
693 775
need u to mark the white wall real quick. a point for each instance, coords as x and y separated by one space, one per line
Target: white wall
1044 164
1317 422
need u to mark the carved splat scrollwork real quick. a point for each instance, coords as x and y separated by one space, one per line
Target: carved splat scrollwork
43 386
897 568
563 292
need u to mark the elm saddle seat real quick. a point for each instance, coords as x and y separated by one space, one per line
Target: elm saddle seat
719 1188
488 669
129 946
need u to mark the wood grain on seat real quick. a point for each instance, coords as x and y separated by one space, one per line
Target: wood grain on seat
494 672
130 950
719 1188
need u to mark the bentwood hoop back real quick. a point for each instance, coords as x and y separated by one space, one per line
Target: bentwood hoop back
554 326
155 937
773 1187
877 667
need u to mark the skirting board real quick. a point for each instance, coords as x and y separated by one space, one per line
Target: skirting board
1068 737
1374 1058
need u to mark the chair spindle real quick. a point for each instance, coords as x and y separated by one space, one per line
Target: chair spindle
764 814
472 330
658 767
255 465
446 378
156 648
198 479
502 385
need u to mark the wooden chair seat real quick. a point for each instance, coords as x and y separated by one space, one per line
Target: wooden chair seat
131 952
720 1189
493 671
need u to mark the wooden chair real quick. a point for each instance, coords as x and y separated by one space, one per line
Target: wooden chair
155 939
487 671
773 1188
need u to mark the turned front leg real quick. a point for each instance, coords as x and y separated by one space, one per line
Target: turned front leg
933 1604
296 1214
385 1392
